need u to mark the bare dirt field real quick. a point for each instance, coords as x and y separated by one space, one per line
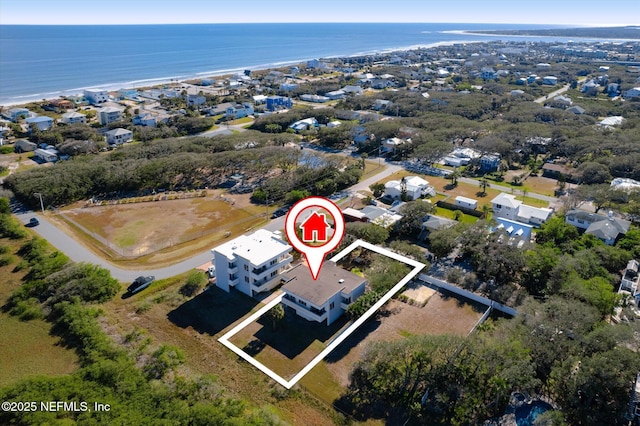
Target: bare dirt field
441 315
138 229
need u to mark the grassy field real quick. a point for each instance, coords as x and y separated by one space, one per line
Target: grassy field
151 233
26 347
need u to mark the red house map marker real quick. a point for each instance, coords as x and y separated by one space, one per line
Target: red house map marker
315 228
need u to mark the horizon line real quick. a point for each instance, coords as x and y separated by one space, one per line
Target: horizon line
316 22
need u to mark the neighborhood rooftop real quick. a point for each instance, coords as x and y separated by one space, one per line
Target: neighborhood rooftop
331 280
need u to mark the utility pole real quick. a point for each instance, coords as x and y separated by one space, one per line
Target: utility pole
37 194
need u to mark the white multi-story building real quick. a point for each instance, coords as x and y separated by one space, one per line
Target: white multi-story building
506 206
415 187
95 96
109 115
252 263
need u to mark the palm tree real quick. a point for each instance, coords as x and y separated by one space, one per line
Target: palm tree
454 177
484 184
275 314
485 210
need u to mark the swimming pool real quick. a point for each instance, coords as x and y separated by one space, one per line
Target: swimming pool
528 413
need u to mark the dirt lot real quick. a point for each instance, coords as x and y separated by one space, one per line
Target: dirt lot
137 229
441 315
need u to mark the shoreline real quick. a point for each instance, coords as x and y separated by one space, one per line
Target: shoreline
160 81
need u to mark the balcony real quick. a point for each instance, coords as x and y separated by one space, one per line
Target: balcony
307 312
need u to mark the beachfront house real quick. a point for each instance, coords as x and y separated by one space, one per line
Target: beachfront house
96 96
74 117
15 114
323 300
118 136
109 115
252 263
196 100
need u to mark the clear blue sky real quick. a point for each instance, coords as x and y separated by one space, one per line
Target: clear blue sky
554 12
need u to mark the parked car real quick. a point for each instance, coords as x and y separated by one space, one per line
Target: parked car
140 283
280 212
33 222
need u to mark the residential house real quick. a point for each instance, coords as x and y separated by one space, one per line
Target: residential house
109 115
45 155
15 114
460 157
615 120
41 122
532 78
391 144
287 87
576 109
557 171
335 95
316 64
467 203
259 99
380 83
96 96
23 145
239 111
631 280
144 119
550 80
625 184
314 98
323 300
515 229
252 263
275 103
432 223
352 215
488 74
413 186
489 162
306 124
118 136
196 100
380 216
506 206
632 93
381 104
606 228
333 124
561 102
613 89
74 117
353 90
589 85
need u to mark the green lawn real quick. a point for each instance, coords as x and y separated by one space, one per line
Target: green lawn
26 347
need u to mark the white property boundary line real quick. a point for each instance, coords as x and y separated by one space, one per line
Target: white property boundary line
417 267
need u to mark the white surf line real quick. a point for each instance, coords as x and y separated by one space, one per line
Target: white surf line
417 267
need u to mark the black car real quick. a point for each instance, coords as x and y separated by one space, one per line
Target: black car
140 283
33 222
280 212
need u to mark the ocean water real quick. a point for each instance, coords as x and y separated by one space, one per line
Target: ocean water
38 62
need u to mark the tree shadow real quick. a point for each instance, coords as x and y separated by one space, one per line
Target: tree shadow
212 310
295 334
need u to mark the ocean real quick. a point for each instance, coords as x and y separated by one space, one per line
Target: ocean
42 62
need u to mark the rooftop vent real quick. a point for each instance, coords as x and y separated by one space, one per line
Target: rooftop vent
341 280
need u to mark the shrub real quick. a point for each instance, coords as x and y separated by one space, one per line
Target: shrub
6 260
195 282
27 310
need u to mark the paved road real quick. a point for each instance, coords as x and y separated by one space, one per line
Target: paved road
78 253
561 90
